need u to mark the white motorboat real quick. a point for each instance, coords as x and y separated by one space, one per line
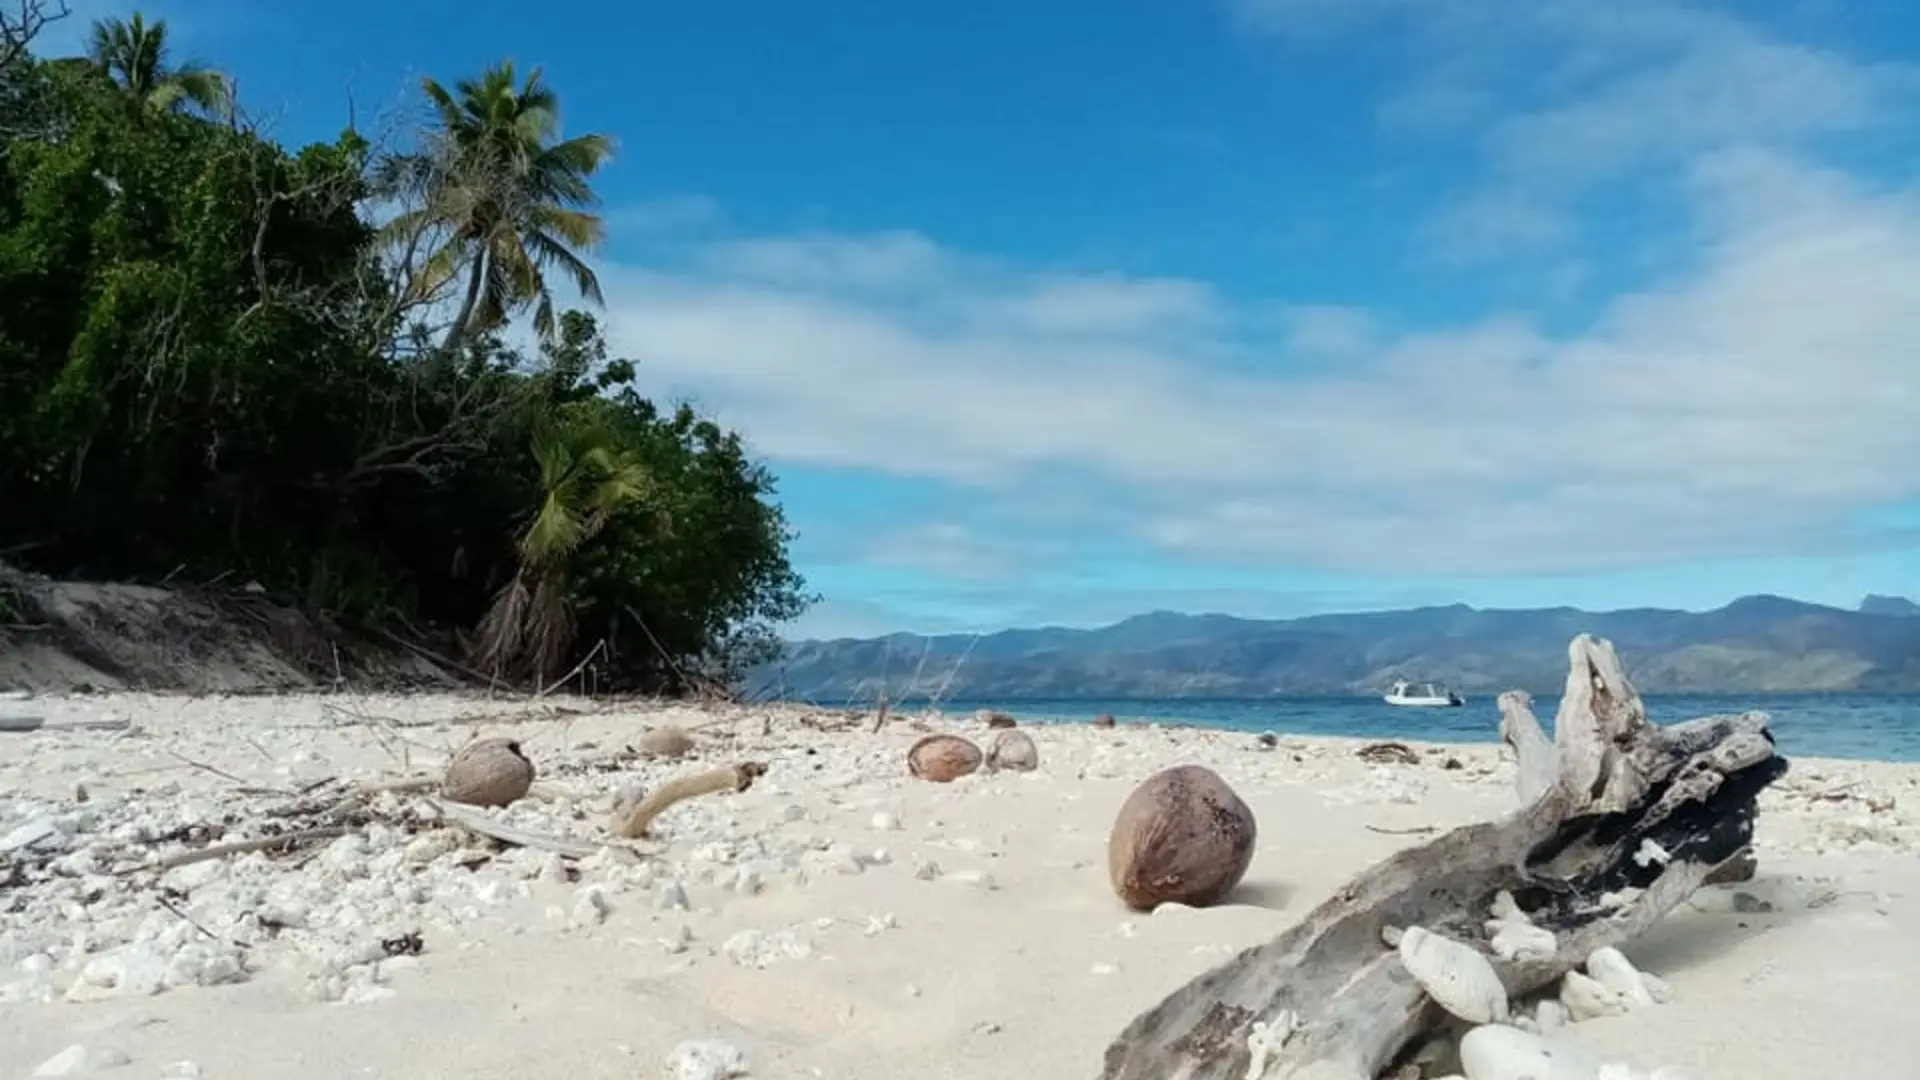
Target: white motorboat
1423 696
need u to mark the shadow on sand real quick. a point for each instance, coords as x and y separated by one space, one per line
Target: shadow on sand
1272 895
1711 924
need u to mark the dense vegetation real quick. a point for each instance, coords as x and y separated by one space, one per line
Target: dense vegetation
223 359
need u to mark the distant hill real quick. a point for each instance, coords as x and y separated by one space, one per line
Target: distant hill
1756 644
1889 605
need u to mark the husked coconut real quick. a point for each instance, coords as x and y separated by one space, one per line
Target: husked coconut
488 772
943 758
666 741
1012 751
1182 837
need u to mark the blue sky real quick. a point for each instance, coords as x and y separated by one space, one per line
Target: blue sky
1052 312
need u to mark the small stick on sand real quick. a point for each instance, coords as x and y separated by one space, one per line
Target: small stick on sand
1417 830
223 774
632 823
21 725
189 920
240 847
476 822
402 787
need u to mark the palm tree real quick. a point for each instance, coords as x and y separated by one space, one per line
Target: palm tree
133 53
584 480
508 197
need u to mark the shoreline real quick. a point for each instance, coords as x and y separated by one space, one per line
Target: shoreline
839 916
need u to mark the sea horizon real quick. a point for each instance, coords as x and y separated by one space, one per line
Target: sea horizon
1844 724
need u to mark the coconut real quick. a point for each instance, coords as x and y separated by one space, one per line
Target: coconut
1182 837
1012 751
1103 720
488 772
941 758
994 718
667 742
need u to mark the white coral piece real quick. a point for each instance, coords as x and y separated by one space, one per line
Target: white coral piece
1611 969
1456 976
1267 1038
1586 999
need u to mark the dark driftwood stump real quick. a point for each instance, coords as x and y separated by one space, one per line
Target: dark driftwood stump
1591 800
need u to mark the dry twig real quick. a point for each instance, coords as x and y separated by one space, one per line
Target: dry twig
240 847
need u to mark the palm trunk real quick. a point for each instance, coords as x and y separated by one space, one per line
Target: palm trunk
458 330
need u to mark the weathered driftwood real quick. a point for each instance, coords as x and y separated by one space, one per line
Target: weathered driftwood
1538 769
1611 783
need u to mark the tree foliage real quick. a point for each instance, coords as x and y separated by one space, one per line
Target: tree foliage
505 196
211 363
133 53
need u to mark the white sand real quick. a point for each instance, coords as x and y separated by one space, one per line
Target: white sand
1012 959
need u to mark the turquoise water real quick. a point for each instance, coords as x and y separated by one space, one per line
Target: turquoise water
1871 726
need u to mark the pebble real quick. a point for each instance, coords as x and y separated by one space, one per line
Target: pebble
707 1059
978 879
78 1059
591 906
672 896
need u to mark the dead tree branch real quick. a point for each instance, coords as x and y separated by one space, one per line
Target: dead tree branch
21 21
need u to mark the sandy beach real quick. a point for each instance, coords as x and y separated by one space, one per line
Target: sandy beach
840 919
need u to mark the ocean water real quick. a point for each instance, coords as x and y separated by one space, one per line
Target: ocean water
1868 726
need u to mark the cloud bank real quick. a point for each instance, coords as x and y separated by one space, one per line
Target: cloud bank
1755 403
1751 395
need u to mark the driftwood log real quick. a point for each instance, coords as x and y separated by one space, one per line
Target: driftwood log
1620 821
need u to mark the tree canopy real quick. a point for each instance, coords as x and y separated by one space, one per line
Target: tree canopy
213 364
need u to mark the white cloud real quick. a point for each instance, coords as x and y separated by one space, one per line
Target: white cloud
884 262
1102 306
1561 95
1330 331
666 214
1719 92
1754 405
1491 224
945 549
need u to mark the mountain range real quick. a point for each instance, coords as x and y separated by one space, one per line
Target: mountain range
1755 644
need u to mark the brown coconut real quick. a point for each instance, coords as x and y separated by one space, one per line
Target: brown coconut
1182 837
488 772
666 742
942 758
1012 751
993 718
1103 720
